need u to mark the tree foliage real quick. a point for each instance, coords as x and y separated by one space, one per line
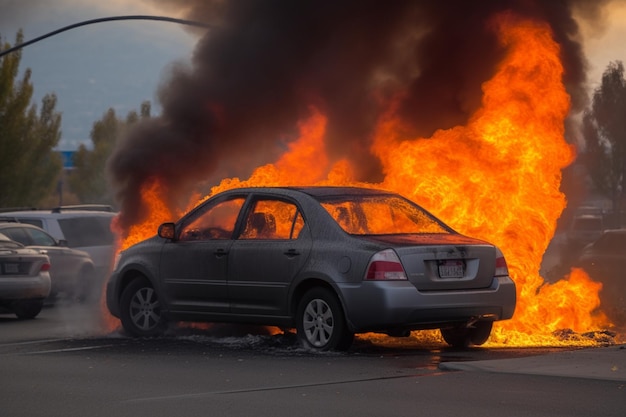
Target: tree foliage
604 129
29 169
88 179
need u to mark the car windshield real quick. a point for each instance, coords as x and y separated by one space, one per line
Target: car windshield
7 243
381 215
587 223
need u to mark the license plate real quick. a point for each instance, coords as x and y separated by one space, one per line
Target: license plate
451 269
11 268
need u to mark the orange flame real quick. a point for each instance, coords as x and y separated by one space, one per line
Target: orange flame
497 178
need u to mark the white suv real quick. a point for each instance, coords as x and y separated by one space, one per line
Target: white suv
83 227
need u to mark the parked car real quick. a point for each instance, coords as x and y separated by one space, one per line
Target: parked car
605 261
24 279
584 229
84 227
607 252
328 261
72 271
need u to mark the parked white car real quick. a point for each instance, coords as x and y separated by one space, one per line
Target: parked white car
83 227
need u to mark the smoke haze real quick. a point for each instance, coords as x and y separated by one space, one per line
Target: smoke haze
256 73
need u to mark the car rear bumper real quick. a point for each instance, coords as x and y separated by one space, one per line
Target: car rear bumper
388 305
22 288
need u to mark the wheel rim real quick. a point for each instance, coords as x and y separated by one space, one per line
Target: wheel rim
318 323
145 311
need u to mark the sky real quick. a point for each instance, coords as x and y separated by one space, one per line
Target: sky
95 67
120 64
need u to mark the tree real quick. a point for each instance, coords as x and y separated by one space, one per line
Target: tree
29 169
88 179
604 129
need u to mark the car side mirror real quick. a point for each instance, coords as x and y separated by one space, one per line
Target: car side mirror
63 243
167 231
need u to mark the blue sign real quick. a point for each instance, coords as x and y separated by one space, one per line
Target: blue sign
68 159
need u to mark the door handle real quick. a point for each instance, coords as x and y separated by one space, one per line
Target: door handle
220 253
292 253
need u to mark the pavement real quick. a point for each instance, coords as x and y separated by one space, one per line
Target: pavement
604 363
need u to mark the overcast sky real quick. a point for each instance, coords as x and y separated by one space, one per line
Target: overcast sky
94 67
120 64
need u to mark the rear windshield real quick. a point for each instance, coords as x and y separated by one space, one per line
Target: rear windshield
87 231
381 215
590 224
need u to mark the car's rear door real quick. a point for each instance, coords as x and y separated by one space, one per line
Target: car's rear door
193 268
273 246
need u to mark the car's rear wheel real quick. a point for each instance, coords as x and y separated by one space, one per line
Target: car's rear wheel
462 336
140 309
27 309
321 323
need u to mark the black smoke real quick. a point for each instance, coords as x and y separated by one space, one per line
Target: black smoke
257 71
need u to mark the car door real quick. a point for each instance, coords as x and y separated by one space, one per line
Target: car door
194 266
272 247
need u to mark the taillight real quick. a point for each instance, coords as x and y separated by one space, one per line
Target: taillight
385 266
501 268
45 266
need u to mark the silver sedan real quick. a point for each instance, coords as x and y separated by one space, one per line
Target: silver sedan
327 261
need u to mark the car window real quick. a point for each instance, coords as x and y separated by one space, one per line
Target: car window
216 221
7 243
587 223
611 243
273 219
18 234
41 238
34 222
87 231
378 215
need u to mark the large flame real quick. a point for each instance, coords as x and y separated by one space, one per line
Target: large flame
497 178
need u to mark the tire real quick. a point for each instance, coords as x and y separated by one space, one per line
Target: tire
27 309
320 322
462 337
140 309
479 334
457 337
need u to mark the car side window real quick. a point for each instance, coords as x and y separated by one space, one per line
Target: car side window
216 222
273 219
34 222
41 238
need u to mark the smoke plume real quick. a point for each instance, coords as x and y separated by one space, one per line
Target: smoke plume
261 66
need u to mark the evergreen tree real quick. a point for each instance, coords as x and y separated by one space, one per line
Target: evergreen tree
88 179
29 169
604 129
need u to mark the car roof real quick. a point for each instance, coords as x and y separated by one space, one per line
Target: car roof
331 191
6 224
54 213
615 231
317 191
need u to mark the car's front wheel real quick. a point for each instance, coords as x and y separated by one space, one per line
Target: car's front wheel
140 311
462 337
321 323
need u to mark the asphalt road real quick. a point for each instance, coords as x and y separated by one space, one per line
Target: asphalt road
63 364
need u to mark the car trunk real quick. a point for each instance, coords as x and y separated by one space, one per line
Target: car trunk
441 262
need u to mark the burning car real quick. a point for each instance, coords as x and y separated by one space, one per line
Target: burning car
328 261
